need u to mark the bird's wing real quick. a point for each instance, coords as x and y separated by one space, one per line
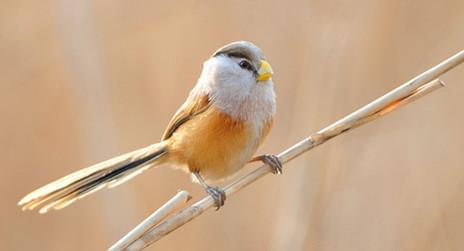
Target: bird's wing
192 107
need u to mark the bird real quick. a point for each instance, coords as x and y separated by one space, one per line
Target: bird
216 132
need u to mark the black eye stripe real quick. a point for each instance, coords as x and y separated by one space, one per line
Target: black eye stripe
244 64
238 55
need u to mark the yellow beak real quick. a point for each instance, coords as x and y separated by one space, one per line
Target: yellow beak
265 71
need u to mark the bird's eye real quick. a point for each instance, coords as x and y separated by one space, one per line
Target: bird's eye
245 65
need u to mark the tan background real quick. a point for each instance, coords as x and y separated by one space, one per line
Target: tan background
82 81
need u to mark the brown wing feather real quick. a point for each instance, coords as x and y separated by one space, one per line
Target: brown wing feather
193 106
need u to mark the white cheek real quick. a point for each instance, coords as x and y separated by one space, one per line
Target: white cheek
225 73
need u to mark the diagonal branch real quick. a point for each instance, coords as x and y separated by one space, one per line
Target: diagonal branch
132 238
404 94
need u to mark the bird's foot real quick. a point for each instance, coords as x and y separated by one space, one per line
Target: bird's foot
218 195
272 160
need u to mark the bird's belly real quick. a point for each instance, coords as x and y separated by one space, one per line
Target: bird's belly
214 144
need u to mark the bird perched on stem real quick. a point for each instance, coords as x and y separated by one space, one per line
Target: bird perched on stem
214 133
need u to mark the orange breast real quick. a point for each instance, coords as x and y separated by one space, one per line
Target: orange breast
214 144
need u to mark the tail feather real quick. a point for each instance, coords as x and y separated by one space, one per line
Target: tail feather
110 173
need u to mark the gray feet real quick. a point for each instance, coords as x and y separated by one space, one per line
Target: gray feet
218 195
272 160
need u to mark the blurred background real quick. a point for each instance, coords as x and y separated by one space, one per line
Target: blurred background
83 81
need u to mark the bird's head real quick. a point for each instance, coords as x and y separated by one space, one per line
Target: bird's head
238 65
238 79
245 59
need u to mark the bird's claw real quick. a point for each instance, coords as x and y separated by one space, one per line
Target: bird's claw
218 195
273 161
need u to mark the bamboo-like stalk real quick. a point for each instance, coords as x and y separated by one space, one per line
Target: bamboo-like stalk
132 238
404 94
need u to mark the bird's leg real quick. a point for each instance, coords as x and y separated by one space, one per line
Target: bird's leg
218 195
272 160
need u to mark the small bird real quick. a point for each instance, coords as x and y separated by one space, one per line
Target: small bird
214 133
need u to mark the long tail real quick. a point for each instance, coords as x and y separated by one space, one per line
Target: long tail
110 173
